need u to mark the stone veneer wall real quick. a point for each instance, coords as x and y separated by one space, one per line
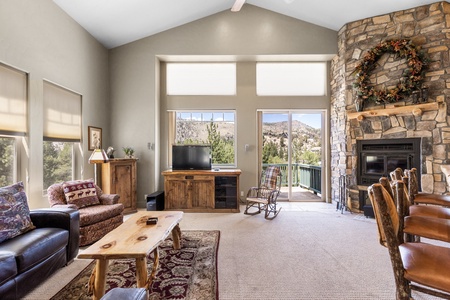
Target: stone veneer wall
428 27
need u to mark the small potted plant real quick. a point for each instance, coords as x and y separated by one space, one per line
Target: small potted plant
128 152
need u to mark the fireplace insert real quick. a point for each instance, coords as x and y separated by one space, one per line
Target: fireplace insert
377 158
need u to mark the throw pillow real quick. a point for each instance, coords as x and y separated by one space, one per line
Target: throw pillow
14 212
81 193
270 178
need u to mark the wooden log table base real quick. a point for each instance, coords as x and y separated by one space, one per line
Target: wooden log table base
133 239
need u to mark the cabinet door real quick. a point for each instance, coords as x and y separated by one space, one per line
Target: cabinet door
176 193
119 177
202 192
123 179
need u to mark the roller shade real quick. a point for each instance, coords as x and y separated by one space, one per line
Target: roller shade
62 114
13 101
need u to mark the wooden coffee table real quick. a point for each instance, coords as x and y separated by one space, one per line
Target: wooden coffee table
133 239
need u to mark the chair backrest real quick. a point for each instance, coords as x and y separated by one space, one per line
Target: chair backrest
413 184
377 193
446 171
387 220
271 178
397 174
56 195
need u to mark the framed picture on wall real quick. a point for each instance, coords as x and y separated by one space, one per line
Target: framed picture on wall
94 138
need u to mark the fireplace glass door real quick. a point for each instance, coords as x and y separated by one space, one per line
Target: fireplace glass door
382 165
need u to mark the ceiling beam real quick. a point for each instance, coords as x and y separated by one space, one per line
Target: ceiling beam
237 5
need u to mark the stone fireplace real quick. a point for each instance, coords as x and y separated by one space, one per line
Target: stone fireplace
428 27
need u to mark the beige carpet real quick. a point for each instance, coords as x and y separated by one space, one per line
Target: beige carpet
309 251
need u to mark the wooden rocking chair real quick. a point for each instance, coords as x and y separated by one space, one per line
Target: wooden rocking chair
264 197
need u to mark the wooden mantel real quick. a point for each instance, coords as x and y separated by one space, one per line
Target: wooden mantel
416 110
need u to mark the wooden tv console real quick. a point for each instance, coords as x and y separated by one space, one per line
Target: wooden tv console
202 190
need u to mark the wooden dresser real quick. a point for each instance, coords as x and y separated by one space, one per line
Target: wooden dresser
119 177
202 191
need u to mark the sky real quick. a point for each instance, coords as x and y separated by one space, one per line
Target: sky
313 120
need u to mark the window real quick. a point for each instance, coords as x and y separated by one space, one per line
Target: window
13 119
291 79
7 157
13 101
215 128
201 78
62 131
58 157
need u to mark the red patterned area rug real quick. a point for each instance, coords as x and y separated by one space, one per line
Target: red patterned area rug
189 273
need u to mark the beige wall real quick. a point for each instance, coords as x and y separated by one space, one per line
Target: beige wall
42 40
138 113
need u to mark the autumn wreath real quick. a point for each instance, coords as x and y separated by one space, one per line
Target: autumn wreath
411 79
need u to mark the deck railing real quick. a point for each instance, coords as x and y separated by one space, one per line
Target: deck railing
305 176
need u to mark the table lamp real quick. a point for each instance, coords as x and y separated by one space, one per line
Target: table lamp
98 156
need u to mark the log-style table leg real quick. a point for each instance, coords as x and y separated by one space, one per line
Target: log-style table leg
141 271
99 279
176 237
154 268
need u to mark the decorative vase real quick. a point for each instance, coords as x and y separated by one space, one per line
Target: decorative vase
359 104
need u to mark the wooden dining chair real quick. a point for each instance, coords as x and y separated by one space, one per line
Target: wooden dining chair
417 197
415 226
438 210
416 266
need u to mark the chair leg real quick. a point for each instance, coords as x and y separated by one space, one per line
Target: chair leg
250 205
271 208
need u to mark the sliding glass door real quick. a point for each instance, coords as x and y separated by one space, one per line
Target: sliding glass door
292 140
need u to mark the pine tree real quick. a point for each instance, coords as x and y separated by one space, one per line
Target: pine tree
7 161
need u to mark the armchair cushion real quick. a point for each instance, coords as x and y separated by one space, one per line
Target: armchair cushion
97 213
81 193
14 214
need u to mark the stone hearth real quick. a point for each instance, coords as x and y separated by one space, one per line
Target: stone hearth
428 27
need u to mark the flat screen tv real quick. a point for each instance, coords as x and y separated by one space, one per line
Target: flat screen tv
191 157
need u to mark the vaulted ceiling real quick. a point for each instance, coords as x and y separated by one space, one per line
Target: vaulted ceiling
117 22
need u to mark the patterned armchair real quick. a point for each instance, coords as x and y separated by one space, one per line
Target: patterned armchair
99 213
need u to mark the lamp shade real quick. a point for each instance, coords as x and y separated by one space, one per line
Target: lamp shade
98 156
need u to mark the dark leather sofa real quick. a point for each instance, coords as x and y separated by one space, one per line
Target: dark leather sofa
28 259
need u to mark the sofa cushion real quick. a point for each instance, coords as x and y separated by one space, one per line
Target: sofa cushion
97 213
34 247
14 212
8 266
81 193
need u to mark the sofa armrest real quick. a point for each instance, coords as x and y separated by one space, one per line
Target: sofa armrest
64 218
109 199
